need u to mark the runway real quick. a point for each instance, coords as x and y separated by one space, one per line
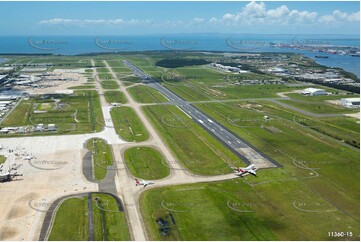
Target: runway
245 151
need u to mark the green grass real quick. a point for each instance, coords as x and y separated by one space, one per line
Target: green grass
19 115
201 92
345 129
109 84
146 163
122 70
128 80
283 139
188 93
117 64
218 211
102 70
2 159
127 124
115 97
319 107
201 83
340 95
105 76
194 147
77 113
144 94
71 221
105 210
102 157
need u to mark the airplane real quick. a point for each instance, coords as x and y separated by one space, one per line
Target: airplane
29 157
5 177
143 182
251 169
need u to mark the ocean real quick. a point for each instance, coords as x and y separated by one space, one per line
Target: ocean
74 45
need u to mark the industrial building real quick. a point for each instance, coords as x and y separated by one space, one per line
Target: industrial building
314 92
351 102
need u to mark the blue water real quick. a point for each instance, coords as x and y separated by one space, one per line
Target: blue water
72 45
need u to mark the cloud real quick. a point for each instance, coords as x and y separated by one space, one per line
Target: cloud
257 13
278 12
254 10
339 16
198 20
252 14
302 17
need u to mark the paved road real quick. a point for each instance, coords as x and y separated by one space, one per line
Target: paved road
240 147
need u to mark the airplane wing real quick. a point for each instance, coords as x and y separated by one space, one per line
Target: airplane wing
145 185
252 172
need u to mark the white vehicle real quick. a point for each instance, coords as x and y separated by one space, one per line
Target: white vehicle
143 182
251 169
115 104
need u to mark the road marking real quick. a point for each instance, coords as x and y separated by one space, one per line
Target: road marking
201 121
210 121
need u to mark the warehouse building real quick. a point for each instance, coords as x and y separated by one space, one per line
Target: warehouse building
314 92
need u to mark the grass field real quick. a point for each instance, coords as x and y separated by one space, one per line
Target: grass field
102 70
146 163
102 157
2 159
115 97
345 129
144 94
340 95
287 142
70 113
109 84
71 221
193 146
201 83
110 224
128 80
127 124
105 76
319 107
195 92
19 116
234 210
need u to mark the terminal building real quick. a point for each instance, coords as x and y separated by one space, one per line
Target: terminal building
314 92
351 102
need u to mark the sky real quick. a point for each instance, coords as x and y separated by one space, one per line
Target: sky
144 18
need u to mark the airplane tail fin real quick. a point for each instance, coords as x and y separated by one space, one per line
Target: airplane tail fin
137 182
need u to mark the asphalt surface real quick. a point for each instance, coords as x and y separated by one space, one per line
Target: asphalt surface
90 219
238 146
